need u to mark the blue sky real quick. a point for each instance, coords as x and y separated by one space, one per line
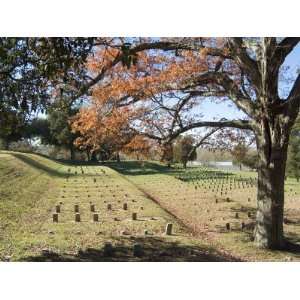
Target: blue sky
227 110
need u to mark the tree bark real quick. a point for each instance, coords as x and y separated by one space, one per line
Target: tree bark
272 149
118 157
94 156
88 155
72 153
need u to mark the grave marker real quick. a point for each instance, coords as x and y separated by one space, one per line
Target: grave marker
95 217
243 226
77 217
108 249
55 218
228 226
137 250
169 229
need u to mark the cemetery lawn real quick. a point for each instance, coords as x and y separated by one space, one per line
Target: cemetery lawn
208 200
200 203
31 188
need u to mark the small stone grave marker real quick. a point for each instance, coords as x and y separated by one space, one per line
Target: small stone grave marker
95 217
57 208
137 250
228 226
108 249
77 217
55 218
169 228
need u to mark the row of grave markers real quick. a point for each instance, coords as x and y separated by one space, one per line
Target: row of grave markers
92 209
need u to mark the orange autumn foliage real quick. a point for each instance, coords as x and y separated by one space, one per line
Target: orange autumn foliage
121 100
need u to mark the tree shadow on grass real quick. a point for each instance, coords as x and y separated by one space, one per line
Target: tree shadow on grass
292 240
37 165
140 168
153 250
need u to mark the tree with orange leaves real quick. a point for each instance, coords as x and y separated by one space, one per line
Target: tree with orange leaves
245 71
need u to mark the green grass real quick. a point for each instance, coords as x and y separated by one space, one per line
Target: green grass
206 199
197 201
32 186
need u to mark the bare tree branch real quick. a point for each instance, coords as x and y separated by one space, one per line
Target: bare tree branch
245 62
292 104
231 89
284 48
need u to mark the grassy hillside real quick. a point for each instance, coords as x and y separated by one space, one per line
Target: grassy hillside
200 203
26 181
31 188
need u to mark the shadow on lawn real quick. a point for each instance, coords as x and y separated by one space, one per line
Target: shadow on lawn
37 165
153 249
140 168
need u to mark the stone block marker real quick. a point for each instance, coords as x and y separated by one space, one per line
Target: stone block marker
137 250
57 208
134 216
108 206
243 226
95 217
76 208
169 228
228 226
55 218
108 249
77 217
125 206
92 207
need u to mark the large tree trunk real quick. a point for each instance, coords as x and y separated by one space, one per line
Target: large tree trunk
72 153
272 150
94 157
88 155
